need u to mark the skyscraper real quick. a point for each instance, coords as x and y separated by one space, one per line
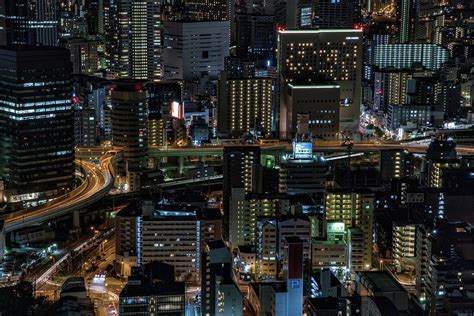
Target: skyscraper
36 128
334 14
134 39
256 38
297 13
194 49
322 56
129 122
29 22
408 16
210 10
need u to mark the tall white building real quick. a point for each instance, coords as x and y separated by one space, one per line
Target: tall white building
172 237
194 49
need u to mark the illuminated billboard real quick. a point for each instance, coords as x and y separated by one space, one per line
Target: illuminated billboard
335 227
176 110
302 150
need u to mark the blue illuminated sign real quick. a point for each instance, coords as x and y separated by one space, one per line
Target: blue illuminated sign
295 284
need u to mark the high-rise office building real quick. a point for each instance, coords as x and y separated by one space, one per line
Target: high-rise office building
36 128
308 57
84 55
129 122
407 56
334 14
296 14
172 236
311 110
256 38
245 105
302 172
133 39
450 101
378 37
29 22
210 10
95 16
194 49
239 163
402 115
127 238
168 233
239 68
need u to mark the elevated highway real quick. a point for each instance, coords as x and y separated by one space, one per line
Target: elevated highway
318 147
97 183
100 179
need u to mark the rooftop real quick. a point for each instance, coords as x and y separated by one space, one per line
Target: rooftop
380 282
324 303
175 288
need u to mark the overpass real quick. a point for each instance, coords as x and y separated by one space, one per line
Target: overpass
98 182
419 147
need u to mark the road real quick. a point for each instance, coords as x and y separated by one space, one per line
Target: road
104 289
98 182
318 146
45 276
100 179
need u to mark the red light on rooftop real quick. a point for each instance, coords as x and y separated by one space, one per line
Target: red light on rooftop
359 27
281 28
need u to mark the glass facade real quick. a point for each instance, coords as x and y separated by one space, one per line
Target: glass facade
36 120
